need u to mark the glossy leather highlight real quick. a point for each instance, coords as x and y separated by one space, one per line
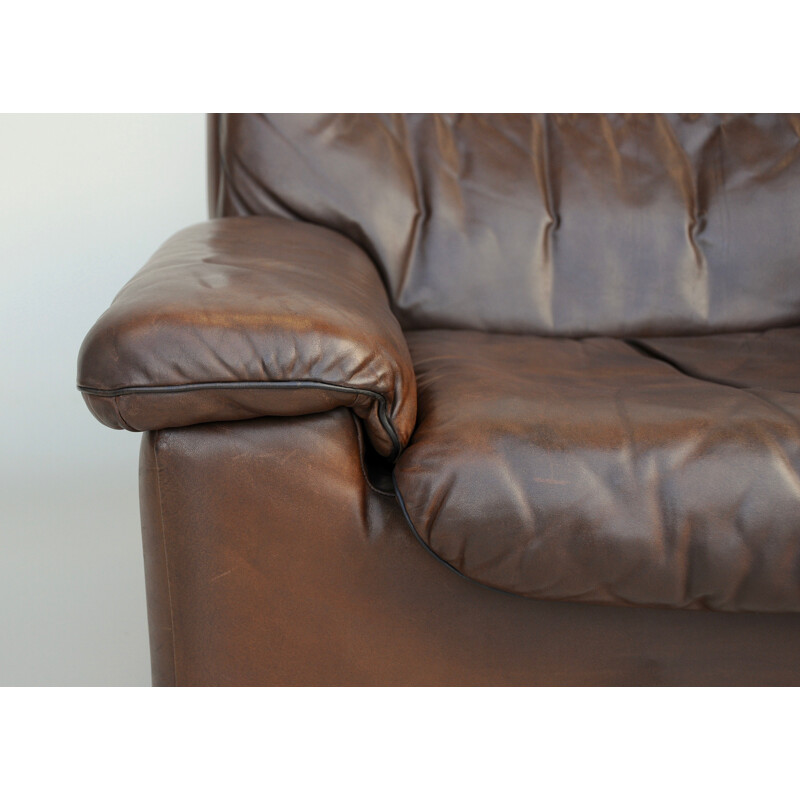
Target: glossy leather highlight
241 318
586 470
552 224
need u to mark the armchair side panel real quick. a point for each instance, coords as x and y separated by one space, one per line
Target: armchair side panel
271 560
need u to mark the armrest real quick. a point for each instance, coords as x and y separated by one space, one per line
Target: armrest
246 317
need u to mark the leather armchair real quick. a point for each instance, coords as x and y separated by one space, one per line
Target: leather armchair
441 399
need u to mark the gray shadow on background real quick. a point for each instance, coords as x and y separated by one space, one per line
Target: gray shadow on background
72 583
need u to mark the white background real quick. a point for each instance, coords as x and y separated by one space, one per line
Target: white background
85 200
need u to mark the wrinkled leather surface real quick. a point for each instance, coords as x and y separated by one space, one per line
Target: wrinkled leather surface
570 224
271 561
587 470
764 361
238 318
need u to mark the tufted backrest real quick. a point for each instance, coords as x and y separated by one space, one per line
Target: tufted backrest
556 224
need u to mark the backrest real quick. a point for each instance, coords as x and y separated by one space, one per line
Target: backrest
575 225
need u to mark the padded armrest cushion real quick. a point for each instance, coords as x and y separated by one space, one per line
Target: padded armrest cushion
246 317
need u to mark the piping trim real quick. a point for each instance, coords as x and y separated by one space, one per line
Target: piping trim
383 414
435 554
577 599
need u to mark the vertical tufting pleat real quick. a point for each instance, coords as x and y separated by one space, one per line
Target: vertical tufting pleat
563 224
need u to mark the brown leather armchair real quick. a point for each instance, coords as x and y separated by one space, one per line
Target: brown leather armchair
471 399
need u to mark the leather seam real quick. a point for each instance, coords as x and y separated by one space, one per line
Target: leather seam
430 550
122 419
383 415
218 189
624 604
648 351
156 436
226 183
360 437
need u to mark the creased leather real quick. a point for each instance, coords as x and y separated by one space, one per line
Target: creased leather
559 224
588 470
240 318
764 361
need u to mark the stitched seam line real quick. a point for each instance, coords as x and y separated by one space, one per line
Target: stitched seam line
156 437
383 415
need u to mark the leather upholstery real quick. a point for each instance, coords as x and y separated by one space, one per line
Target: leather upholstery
271 561
567 224
238 318
587 470
768 361
603 313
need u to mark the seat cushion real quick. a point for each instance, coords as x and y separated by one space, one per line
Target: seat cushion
594 470
763 361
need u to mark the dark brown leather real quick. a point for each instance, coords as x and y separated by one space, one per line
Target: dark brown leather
239 318
283 567
587 470
766 361
156 569
569 224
